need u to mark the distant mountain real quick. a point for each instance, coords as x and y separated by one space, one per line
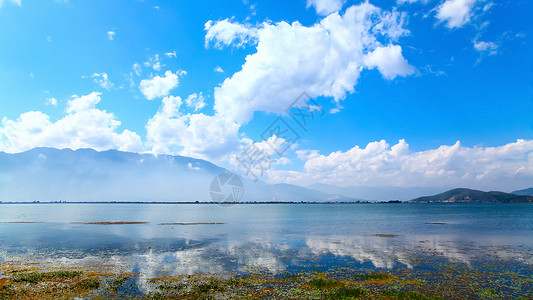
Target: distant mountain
377 193
524 192
472 196
48 174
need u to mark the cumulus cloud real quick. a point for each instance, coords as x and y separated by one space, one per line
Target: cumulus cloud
455 13
389 61
196 135
83 103
225 33
510 165
218 69
159 86
164 128
325 7
325 59
83 126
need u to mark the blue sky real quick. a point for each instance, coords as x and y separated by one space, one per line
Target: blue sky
206 78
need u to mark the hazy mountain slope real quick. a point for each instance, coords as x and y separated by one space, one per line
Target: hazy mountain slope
47 174
377 193
468 195
525 192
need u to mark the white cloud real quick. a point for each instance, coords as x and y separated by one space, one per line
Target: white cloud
102 80
171 54
111 35
218 69
197 101
490 48
163 129
210 137
503 167
225 33
51 101
323 60
49 39
154 62
159 86
137 69
84 126
389 61
83 103
16 2
400 2
196 135
455 13
325 7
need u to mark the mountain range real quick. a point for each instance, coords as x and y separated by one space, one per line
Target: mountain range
382 193
48 174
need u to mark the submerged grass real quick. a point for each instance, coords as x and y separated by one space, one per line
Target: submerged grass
322 283
373 276
448 282
34 277
347 293
409 295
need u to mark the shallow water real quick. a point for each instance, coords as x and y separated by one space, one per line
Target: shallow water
269 237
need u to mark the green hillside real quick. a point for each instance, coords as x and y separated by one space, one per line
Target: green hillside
473 196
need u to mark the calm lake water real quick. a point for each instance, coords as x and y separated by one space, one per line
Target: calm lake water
273 237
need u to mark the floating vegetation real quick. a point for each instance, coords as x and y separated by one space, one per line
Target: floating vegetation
347 293
385 235
35 277
111 223
322 283
89 284
373 276
402 295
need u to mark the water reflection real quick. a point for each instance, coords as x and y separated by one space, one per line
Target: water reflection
272 238
160 257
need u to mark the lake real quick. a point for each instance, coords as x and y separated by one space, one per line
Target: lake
269 238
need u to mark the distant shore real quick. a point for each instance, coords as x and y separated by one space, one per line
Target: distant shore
251 202
197 202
